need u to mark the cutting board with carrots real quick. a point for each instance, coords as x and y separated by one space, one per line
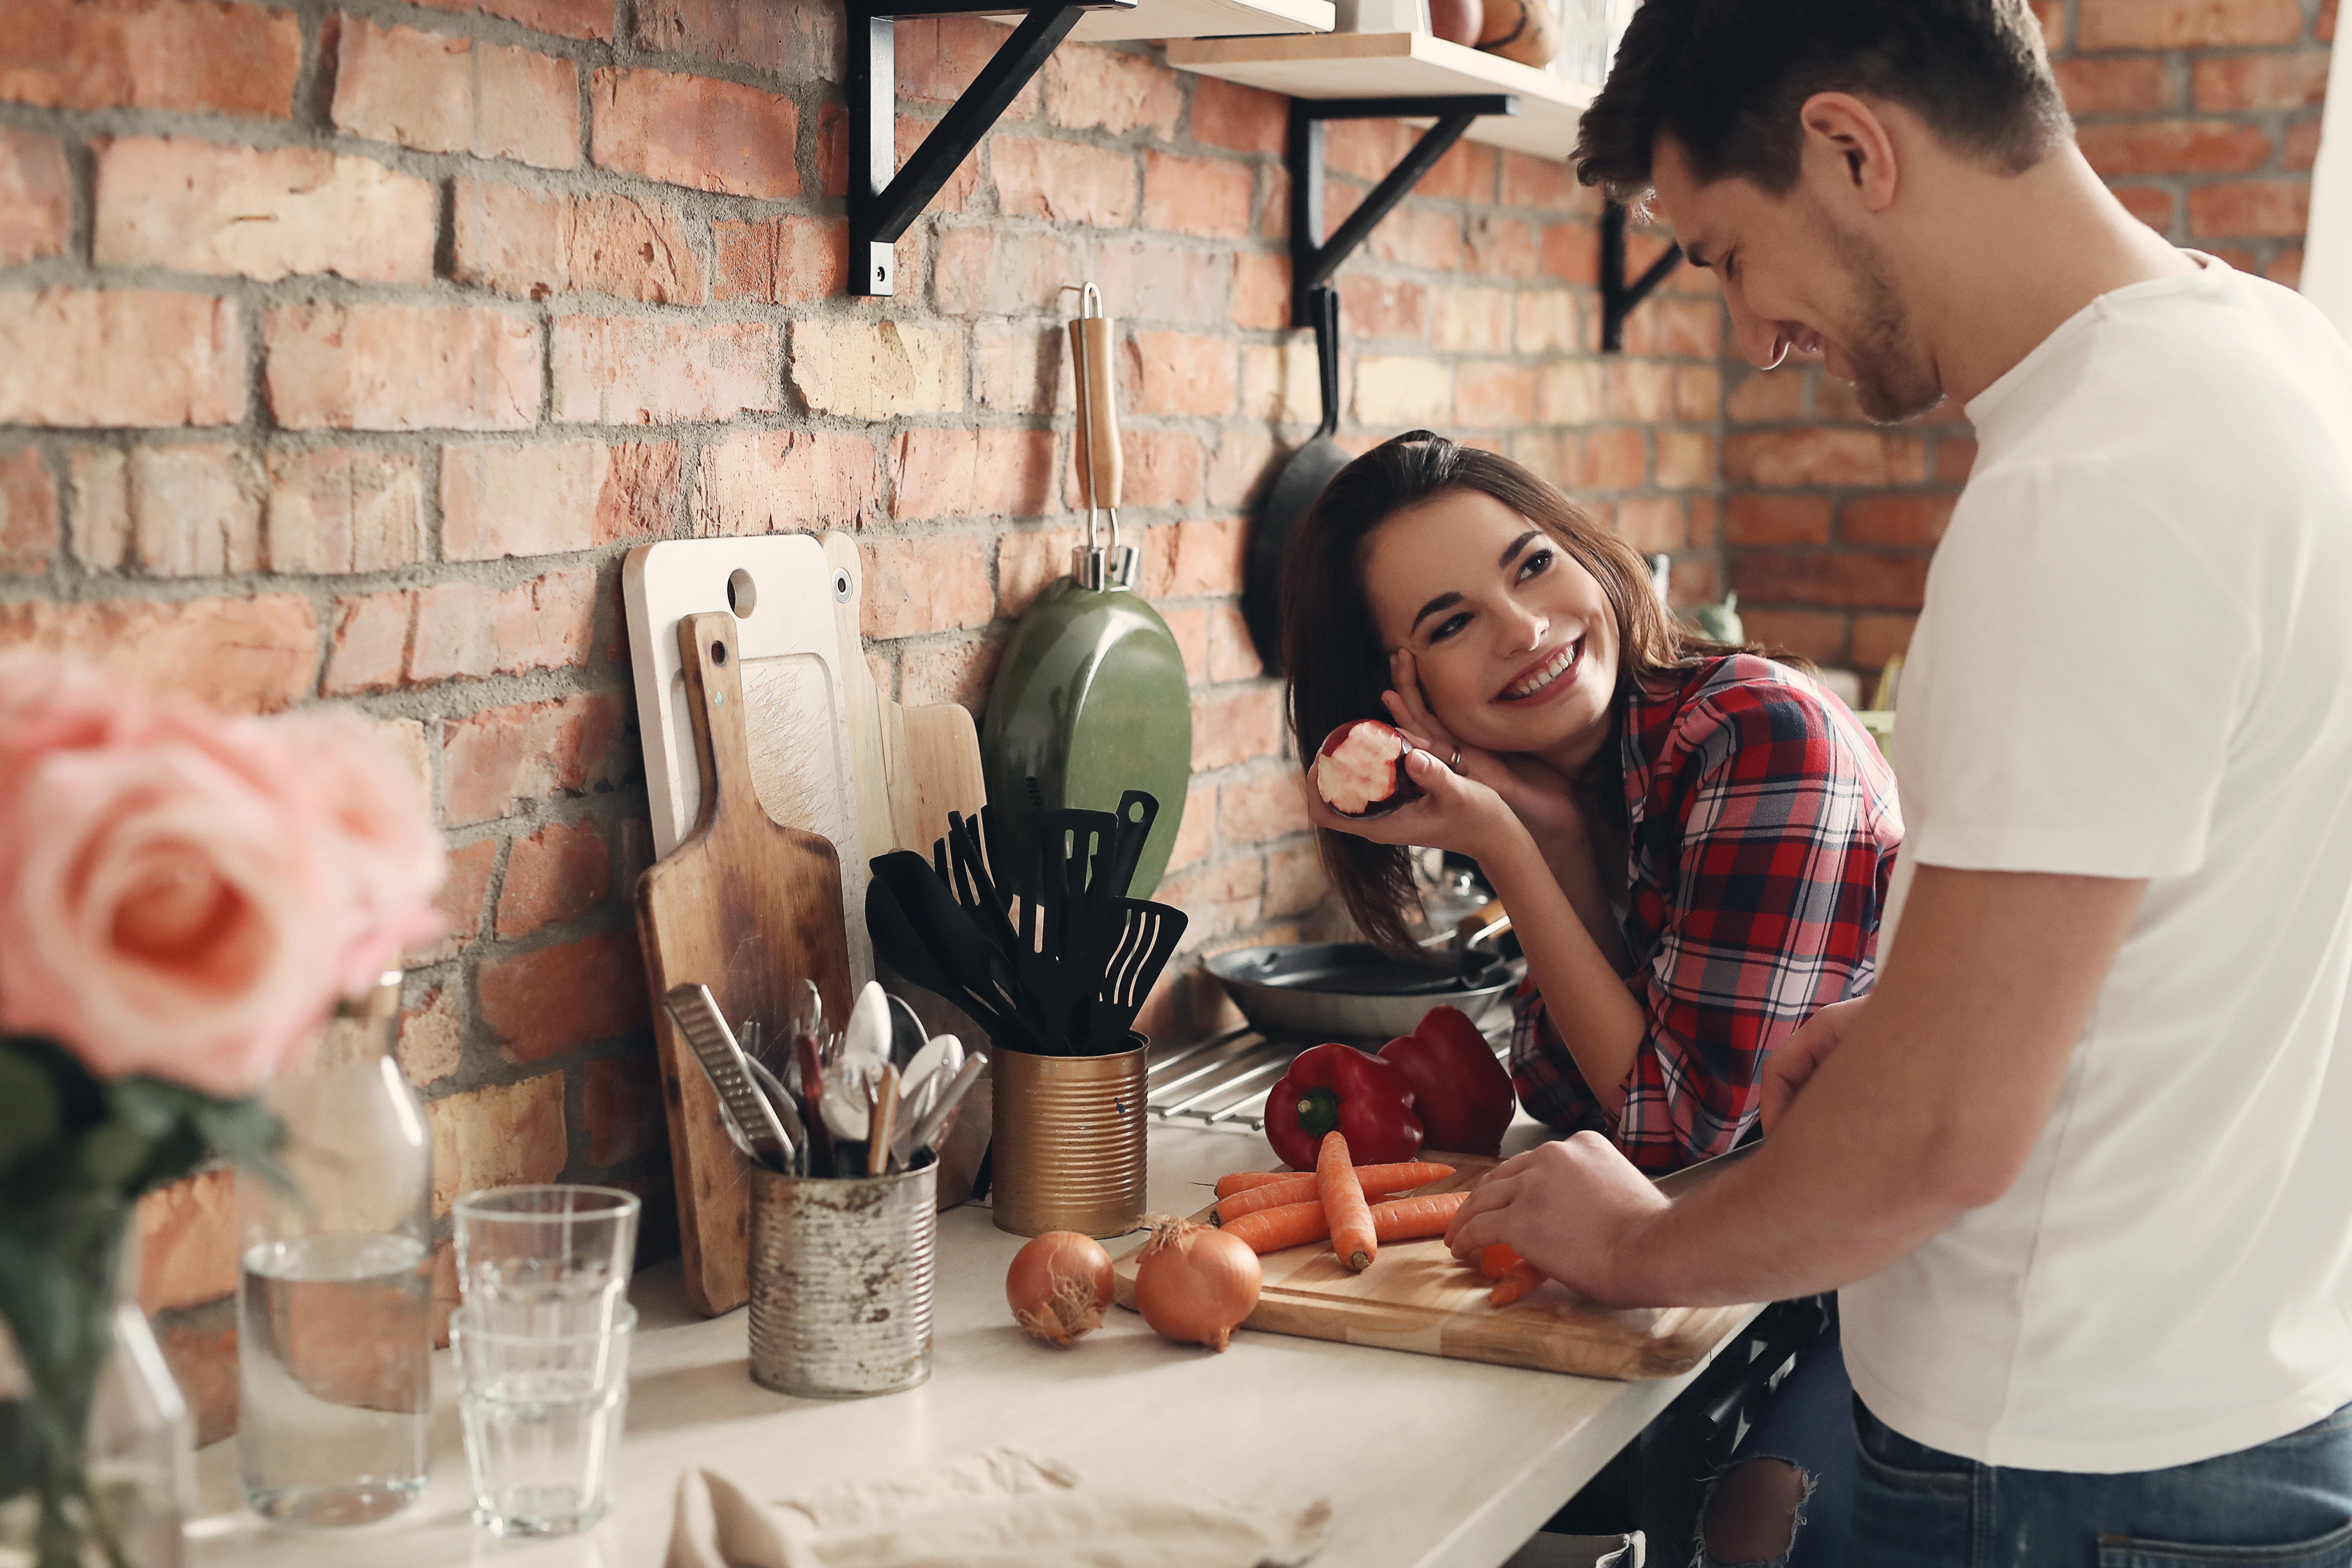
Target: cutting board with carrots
1415 1297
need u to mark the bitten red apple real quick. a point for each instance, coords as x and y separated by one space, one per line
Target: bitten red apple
1360 769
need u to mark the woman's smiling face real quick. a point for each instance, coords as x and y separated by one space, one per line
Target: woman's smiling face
1515 643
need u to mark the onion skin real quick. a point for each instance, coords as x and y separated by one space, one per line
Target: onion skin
1195 1283
1058 1286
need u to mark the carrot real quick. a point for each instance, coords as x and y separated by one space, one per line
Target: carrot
1497 1260
1243 1180
1516 1281
1295 1225
1352 1241
1378 1181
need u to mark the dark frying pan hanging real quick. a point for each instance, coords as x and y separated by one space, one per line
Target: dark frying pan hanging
1301 480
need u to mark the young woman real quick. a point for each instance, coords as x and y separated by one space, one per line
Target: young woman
1693 841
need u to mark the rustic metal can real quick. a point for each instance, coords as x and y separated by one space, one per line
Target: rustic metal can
1068 1140
841 1282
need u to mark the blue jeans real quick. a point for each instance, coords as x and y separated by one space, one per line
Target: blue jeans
2286 1504
1809 1423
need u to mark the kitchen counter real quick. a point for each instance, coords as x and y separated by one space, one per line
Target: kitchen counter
1433 1463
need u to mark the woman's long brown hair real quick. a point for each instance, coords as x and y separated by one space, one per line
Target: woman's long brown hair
1331 647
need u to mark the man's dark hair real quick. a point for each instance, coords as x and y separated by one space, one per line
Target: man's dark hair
1726 80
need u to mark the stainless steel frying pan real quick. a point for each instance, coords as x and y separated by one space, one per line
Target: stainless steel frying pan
1349 991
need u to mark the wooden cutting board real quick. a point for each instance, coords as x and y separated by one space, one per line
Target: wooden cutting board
1415 1297
751 908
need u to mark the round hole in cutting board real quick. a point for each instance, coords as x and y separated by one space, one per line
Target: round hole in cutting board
719 653
743 594
840 585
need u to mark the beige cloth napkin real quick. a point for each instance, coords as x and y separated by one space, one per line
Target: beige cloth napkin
1002 1509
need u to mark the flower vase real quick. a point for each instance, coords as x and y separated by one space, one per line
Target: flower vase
95 1443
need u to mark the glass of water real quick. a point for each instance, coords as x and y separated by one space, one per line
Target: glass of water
543 1413
552 1259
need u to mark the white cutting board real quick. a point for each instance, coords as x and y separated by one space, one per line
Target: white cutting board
784 593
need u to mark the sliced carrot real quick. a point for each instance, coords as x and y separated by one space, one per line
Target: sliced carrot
1399 1219
1516 1281
1497 1260
1378 1181
1352 1241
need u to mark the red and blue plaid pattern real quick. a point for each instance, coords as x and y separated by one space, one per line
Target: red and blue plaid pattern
1761 827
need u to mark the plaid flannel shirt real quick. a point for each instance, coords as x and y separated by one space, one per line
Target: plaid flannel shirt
1761 830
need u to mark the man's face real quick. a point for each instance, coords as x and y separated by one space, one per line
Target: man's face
1795 278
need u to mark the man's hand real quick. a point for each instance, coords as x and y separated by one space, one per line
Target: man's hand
1791 1062
1571 1208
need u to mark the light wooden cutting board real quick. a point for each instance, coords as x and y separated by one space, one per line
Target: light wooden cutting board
1415 1297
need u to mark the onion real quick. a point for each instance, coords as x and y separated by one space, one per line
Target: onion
1058 1286
1195 1283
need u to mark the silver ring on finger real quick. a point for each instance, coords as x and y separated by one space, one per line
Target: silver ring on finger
1454 764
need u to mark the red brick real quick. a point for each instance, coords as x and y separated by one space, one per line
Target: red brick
868 370
1256 810
495 1137
1178 373
1155 566
1547 183
1492 397
1189 624
1776 520
333 509
1261 291
152 54
2186 23
800 42
195 207
1389 392
1209 555
1218 899
1571 252
1374 309
1241 118
1163 468
249 655
2133 85
2252 207
1503 246
2292 80
782 261
2325 29
637 370
971 473
500 758
443 94
401 367
431 1043
2151 204
1417 236
960 670
984 270
181 510
1895 520
2300 149
569 18
621 1104
35 196
370 648
1784 459
1233 652
187 1242
1159 284
1768 396
1063 182
1877 638
28 513
780 481
1614 460
1367 149
1685 459
554 498
120 356
1652 523
2173 147
1198 834
532 244
1026 560
1023 368
696 132
473 630
932 582
1471 321
1827 578
1668 325
559 873
1816 634
1239 467
460 902
2051 17
939 57
1237 726
1639 390
1208 197
1466 173
1093 88
2286 268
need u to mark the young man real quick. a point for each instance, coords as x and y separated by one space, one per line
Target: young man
2080 1163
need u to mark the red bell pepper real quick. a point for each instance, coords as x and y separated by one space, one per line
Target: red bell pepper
1341 1089
1460 1092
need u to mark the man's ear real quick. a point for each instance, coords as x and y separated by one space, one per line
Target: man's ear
1849 151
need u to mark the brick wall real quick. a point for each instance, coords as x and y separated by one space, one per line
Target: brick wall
344 350
2204 116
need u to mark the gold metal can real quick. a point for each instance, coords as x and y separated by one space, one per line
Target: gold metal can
1068 1141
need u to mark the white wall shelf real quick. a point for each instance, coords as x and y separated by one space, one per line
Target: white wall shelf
1200 19
1395 65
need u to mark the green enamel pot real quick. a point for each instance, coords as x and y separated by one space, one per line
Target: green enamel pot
1092 700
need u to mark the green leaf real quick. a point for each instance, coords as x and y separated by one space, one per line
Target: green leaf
112 1152
30 1114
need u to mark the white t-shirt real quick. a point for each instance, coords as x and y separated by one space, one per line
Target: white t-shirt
2135 661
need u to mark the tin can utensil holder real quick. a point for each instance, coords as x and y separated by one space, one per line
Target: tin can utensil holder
1068 1141
841 1282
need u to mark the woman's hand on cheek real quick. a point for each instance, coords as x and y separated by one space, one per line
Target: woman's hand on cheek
1453 811
1534 791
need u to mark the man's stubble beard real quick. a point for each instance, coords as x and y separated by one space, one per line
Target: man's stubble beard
1893 376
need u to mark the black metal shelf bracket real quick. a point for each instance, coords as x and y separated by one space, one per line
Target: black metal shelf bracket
1313 259
884 198
1618 297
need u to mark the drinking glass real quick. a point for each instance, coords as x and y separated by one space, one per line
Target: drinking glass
543 1413
550 1259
